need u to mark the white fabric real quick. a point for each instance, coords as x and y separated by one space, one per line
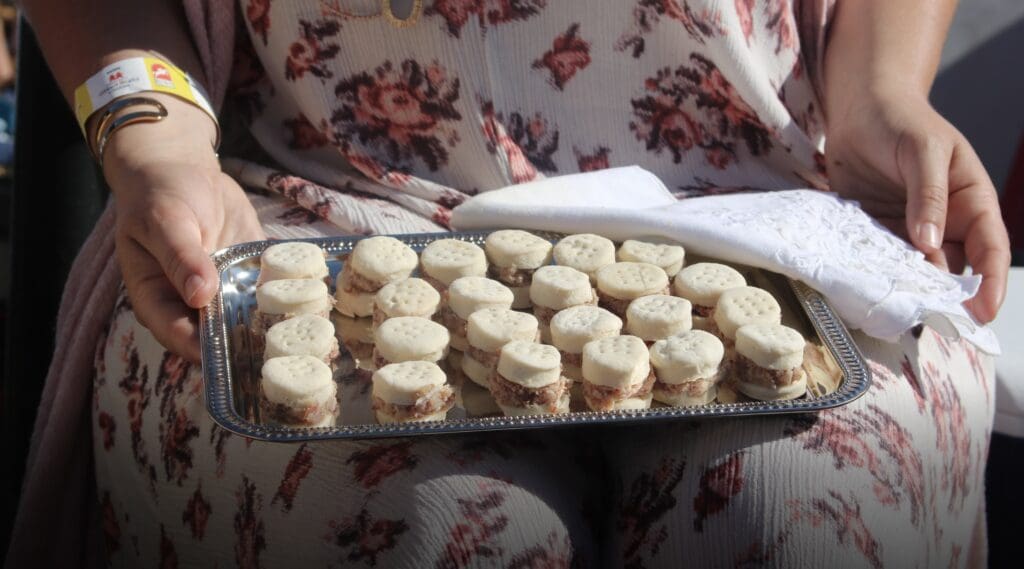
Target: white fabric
876 282
1009 327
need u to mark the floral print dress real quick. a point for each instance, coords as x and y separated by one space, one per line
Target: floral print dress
368 127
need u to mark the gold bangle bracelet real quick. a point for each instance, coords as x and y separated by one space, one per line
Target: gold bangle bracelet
109 123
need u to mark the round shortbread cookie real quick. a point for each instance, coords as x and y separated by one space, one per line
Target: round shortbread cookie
572 328
585 252
573 372
383 259
477 372
385 418
405 383
353 329
557 287
491 328
448 259
771 346
689 356
658 316
350 301
466 295
619 361
669 257
745 305
633 403
293 296
297 381
516 249
794 390
477 401
684 400
532 410
410 338
530 364
521 297
292 260
408 297
454 359
627 280
303 335
703 283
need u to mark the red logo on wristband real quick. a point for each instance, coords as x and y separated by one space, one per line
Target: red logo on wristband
162 75
116 75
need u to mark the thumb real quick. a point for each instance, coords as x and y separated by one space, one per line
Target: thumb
924 164
176 243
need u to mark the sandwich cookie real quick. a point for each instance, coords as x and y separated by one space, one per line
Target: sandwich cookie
282 299
356 334
556 288
465 296
702 284
487 332
573 328
658 316
409 338
407 297
529 381
373 263
514 256
377 261
669 258
453 367
687 367
410 392
298 390
303 335
741 306
445 260
585 252
617 374
475 400
768 364
621 283
292 260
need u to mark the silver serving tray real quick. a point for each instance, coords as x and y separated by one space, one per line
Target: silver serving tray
231 369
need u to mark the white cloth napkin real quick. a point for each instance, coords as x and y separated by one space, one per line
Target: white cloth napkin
875 281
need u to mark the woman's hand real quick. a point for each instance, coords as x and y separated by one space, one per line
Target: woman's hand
919 177
174 207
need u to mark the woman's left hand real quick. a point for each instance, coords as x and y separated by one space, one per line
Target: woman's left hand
918 175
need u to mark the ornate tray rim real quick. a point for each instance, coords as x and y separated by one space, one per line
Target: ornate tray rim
218 375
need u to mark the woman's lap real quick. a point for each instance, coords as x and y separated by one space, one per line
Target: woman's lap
174 485
895 478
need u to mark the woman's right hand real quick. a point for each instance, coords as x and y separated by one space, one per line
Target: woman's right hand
174 206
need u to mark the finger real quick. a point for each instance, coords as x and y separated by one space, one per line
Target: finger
924 164
988 251
156 303
938 258
978 223
175 241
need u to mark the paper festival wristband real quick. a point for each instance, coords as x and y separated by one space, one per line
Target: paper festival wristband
137 75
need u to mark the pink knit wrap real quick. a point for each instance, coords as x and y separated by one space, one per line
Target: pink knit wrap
58 522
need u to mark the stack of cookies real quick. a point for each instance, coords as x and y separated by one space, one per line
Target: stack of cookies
603 328
291 326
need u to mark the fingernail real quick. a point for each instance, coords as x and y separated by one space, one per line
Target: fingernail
929 235
192 286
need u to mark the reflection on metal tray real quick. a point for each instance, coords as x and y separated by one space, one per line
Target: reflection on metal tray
837 373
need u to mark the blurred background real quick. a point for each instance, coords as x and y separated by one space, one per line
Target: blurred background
980 89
